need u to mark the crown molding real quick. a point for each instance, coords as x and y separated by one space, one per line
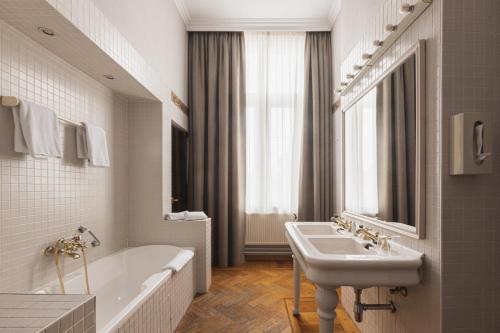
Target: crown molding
334 11
183 11
268 24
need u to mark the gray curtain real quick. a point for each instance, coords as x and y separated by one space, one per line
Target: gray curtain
396 139
316 175
216 63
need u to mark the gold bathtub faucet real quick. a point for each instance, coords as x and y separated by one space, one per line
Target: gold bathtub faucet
68 247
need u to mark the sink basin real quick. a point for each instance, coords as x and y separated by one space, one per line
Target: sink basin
315 228
345 246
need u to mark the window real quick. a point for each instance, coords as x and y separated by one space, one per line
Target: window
275 93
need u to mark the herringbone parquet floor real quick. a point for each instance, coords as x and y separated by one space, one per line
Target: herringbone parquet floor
252 298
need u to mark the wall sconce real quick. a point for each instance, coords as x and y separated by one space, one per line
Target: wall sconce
367 56
391 28
406 8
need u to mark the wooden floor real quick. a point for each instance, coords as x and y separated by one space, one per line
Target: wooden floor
256 297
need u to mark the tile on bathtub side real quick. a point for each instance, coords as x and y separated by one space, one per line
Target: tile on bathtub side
54 328
78 314
66 322
38 313
89 307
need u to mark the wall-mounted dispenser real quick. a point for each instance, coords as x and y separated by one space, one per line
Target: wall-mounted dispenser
471 139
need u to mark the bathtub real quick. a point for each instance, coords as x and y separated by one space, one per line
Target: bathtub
128 282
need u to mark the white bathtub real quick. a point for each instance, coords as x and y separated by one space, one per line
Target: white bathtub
125 280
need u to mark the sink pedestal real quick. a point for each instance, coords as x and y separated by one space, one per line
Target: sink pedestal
327 300
296 286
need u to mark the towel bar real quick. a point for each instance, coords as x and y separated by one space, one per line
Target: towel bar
11 101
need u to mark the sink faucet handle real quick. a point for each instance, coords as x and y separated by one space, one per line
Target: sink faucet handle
383 242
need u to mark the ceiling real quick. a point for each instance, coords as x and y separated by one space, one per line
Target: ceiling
230 15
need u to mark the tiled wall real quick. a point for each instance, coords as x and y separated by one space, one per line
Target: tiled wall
471 204
420 311
43 200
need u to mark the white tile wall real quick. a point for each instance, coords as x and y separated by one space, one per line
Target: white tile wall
42 200
420 311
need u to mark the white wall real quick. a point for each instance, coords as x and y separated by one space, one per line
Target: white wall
421 310
349 27
157 32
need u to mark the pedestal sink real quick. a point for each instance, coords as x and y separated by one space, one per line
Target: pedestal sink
331 257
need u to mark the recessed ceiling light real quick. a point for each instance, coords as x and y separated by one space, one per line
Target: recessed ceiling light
47 31
109 76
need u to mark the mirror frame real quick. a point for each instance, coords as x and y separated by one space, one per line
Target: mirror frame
417 232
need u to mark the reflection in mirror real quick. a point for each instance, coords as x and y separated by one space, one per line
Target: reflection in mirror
380 149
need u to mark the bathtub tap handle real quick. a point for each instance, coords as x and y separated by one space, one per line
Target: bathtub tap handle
96 242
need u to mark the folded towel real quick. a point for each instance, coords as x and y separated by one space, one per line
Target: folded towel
19 142
179 261
82 151
191 216
96 146
175 216
36 131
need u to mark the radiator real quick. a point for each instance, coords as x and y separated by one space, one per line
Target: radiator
266 229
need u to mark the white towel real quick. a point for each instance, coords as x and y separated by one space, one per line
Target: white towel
36 131
96 145
175 216
191 216
82 151
179 261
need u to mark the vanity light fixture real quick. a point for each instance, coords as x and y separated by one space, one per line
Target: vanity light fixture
109 76
391 28
406 8
367 56
47 31
378 43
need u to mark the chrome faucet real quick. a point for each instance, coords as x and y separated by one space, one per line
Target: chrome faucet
96 242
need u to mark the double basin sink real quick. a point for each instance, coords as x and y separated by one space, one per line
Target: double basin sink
331 257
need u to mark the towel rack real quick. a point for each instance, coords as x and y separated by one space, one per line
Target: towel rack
11 101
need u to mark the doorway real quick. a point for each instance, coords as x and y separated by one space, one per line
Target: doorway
179 169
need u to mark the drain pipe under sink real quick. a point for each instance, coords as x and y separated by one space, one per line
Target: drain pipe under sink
360 307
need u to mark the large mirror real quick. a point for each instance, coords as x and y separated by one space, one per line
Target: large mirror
384 149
